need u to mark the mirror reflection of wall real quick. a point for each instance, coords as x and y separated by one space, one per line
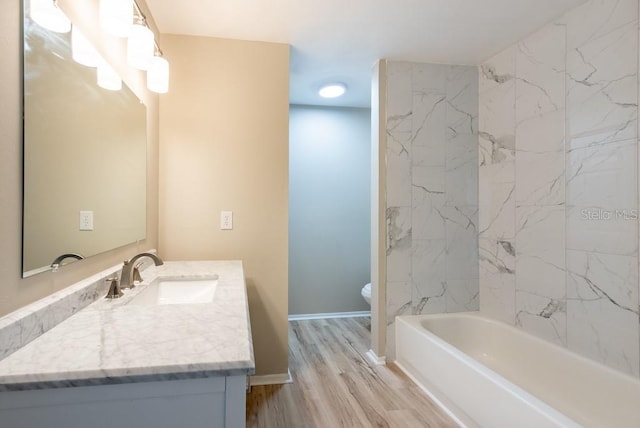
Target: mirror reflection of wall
84 156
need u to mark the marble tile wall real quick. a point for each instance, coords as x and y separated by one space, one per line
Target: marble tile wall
431 190
558 179
497 186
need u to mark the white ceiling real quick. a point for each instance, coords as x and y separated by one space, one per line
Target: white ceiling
340 40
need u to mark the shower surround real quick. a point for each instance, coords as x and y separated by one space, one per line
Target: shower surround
431 190
558 180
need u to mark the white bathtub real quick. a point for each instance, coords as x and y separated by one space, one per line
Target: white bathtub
489 374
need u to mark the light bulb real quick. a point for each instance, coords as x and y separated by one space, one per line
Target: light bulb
332 90
47 14
116 17
158 75
140 48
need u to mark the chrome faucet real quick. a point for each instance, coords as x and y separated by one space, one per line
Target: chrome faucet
55 264
128 269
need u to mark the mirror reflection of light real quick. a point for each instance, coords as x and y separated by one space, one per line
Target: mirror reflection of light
82 50
47 14
107 77
332 90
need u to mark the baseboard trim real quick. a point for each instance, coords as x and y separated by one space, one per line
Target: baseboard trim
272 379
302 317
374 359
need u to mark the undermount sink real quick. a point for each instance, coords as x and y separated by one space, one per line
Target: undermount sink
177 291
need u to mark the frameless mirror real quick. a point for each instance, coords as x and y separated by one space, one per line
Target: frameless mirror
84 156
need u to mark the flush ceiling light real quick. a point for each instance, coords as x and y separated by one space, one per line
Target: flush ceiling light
107 77
140 45
116 17
82 51
158 75
332 90
47 14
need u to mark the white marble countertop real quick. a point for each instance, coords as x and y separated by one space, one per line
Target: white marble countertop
110 342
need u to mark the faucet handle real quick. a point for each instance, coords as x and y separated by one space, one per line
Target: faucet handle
137 278
114 289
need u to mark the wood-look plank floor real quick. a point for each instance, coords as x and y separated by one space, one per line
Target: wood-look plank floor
334 386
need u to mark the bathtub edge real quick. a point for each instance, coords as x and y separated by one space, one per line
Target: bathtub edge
440 399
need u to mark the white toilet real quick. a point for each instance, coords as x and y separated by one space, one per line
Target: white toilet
366 293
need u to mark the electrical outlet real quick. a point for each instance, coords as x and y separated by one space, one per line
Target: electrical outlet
226 220
86 220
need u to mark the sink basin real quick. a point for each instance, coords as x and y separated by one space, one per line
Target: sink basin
177 291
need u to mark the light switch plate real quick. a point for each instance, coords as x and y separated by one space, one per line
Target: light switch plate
226 220
86 220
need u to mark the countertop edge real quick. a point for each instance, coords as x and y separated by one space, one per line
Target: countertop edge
104 378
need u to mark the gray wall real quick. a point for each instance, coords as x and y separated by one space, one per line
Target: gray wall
329 208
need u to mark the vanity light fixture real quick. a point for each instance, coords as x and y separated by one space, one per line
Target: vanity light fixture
82 51
116 17
107 76
332 90
47 14
124 18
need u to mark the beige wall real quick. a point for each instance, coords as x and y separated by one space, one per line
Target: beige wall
224 146
14 291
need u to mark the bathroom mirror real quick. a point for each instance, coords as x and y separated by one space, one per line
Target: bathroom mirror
84 156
